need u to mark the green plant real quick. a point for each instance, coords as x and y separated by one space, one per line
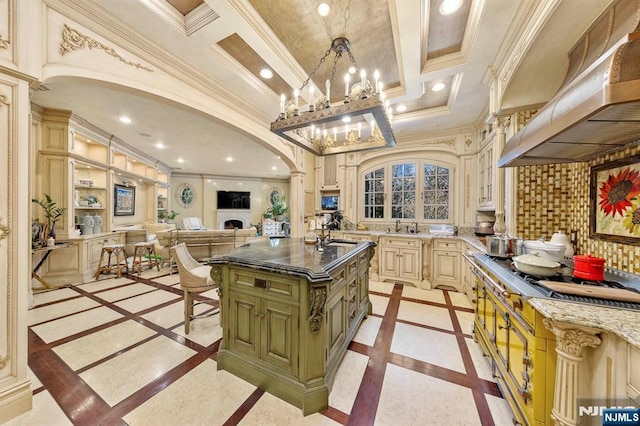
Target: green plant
51 211
165 215
278 206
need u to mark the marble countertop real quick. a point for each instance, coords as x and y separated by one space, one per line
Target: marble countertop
470 239
292 256
623 323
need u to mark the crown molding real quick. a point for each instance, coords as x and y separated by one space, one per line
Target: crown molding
99 21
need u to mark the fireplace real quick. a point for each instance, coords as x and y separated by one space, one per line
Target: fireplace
233 224
234 218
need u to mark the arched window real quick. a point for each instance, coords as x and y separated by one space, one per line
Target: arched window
416 190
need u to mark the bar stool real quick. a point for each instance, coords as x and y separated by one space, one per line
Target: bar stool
109 250
144 254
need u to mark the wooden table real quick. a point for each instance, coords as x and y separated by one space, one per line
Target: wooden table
47 251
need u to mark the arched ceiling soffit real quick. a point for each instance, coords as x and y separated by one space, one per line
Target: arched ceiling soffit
193 135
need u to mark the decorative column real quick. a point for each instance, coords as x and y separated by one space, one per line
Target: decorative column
570 340
296 204
501 139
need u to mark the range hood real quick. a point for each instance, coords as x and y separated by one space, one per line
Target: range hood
596 111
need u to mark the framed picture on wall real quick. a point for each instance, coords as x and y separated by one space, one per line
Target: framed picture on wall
124 200
615 201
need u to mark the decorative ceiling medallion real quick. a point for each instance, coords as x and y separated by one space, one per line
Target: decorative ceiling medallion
73 40
186 195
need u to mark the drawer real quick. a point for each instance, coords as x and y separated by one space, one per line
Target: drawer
447 245
264 282
400 242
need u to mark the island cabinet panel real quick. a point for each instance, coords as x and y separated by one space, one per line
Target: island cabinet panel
336 325
279 335
287 324
243 336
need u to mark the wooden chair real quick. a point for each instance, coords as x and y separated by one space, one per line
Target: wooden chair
194 278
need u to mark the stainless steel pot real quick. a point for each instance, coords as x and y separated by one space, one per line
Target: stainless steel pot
483 228
503 246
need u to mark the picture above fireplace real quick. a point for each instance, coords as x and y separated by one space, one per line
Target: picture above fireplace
234 200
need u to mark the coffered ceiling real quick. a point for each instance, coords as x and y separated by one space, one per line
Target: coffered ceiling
226 43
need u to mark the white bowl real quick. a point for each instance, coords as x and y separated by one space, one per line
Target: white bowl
550 251
534 264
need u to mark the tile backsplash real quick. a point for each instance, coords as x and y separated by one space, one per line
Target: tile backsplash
555 197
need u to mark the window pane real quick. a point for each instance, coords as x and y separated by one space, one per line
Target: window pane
436 201
403 191
374 194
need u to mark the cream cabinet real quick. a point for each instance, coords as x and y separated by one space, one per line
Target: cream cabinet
447 263
633 374
486 178
78 166
78 262
373 270
468 278
401 259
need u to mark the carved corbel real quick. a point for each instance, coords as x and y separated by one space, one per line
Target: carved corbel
318 299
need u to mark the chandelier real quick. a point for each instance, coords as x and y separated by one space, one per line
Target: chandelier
362 121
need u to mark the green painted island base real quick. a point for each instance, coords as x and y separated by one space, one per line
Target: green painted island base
311 397
287 327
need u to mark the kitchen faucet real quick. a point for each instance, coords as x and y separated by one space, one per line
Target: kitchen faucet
398 225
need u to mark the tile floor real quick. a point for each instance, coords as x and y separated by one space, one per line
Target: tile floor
115 352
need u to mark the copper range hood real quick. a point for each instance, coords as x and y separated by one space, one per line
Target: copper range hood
598 106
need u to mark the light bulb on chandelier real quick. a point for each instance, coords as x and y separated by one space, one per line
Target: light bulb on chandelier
363 107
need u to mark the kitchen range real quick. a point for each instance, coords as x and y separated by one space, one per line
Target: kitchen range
516 337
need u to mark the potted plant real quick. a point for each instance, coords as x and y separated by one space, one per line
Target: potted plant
278 208
51 212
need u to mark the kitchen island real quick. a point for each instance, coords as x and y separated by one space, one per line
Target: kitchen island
289 311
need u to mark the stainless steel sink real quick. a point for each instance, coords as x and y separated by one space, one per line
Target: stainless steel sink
341 243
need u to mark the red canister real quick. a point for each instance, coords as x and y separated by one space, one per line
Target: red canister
588 267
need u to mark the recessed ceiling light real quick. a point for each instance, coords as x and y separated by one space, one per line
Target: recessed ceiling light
323 8
160 145
274 168
229 159
266 73
346 119
401 108
180 160
124 119
438 87
447 7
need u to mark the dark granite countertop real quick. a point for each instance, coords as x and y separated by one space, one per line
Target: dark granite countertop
292 256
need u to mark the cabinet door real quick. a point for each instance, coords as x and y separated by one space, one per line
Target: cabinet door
518 353
244 321
389 261
446 268
279 335
409 264
335 325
